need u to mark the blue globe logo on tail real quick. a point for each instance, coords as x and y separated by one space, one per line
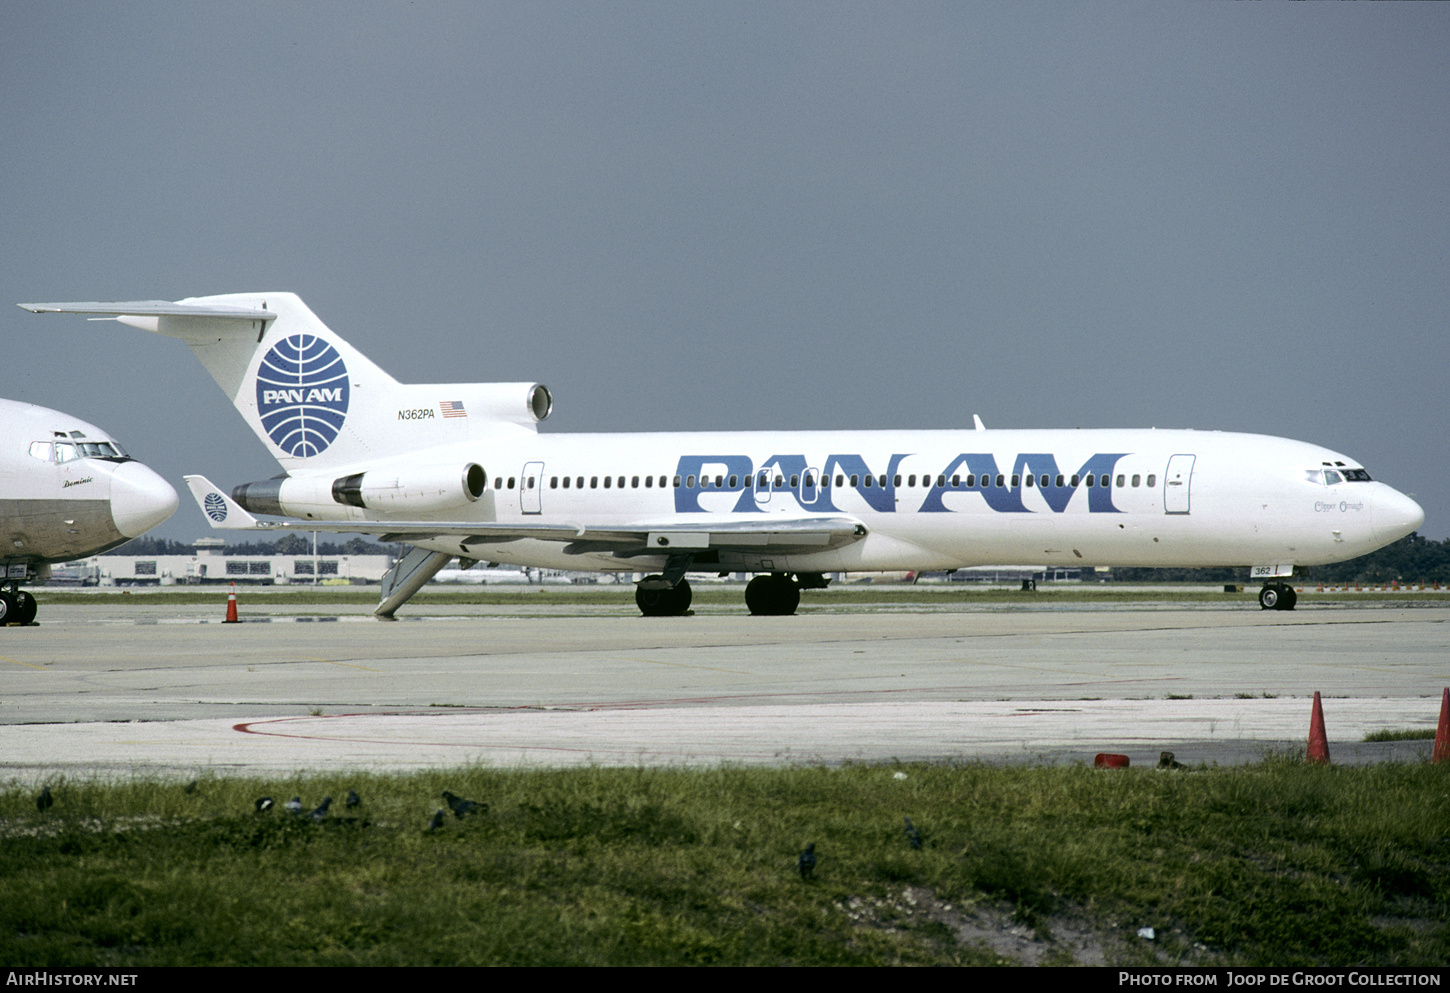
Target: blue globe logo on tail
302 395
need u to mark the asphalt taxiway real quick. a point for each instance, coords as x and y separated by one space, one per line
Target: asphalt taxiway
152 689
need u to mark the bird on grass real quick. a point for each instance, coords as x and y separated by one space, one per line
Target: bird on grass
462 807
294 806
264 804
321 811
353 800
913 836
45 801
436 824
807 861
189 787
1167 761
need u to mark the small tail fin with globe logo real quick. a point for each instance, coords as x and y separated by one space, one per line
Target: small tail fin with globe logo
221 510
313 399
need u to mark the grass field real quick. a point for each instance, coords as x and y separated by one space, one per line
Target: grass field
1280 863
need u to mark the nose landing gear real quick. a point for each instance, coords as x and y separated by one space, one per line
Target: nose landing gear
16 605
1277 596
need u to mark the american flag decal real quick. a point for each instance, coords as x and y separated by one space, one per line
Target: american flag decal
452 408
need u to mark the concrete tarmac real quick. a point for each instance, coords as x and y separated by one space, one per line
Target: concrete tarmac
151 689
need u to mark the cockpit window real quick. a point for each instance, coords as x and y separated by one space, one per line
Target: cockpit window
1329 477
66 451
98 450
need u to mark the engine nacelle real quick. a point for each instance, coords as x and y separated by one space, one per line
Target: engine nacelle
423 489
309 497
517 403
415 489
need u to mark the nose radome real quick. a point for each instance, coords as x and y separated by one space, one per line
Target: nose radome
1395 515
140 499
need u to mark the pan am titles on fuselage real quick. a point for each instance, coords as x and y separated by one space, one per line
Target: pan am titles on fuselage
460 470
67 490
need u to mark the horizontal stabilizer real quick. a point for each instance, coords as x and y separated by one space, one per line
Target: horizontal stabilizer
152 308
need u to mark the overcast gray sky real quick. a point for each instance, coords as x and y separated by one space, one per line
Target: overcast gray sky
689 216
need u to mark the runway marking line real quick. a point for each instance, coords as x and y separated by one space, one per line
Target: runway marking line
246 728
682 665
18 662
349 665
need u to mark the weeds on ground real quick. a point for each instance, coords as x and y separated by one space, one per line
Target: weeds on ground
1280 863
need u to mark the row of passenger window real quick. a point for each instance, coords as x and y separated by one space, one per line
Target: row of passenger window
764 481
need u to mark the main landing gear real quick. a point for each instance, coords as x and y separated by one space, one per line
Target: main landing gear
16 605
654 599
777 594
1277 596
780 593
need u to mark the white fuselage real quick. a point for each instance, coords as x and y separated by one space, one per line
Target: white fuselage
928 499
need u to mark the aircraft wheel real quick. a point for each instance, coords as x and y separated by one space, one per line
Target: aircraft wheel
787 596
757 595
775 595
1287 601
1273 597
9 610
681 596
651 603
25 607
663 603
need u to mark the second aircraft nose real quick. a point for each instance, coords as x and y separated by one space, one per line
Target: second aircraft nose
140 499
1395 515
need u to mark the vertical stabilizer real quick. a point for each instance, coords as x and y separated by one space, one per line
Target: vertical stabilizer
295 382
314 400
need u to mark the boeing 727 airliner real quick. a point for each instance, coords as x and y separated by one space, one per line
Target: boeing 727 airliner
460 470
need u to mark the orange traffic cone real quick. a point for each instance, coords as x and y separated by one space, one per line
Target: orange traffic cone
231 606
1441 752
1318 743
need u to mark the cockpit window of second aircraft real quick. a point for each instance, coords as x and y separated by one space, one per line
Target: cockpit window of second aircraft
65 451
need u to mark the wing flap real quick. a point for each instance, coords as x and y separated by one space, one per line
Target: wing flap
738 534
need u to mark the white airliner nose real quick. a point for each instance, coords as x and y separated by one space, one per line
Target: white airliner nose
140 499
1395 515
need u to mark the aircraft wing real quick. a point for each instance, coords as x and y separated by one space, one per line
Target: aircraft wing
736 532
